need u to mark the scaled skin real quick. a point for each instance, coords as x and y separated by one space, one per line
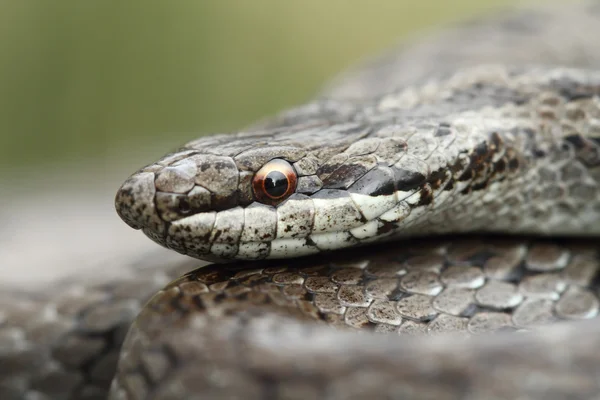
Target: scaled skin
502 150
207 334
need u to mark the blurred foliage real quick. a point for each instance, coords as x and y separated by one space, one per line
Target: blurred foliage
101 80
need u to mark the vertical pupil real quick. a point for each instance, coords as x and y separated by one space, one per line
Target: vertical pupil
276 184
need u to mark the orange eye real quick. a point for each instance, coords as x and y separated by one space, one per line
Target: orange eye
274 182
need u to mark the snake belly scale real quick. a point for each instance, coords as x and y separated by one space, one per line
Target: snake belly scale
465 196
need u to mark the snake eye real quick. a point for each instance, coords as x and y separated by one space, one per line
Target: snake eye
274 182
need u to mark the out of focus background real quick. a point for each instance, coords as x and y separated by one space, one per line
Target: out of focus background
91 90
85 81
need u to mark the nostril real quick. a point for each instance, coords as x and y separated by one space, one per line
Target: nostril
135 202
184 206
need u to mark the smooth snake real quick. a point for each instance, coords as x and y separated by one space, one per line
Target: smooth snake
472 158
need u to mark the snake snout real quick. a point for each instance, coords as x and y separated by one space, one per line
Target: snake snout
135 203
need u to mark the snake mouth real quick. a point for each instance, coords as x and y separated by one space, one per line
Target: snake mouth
134 203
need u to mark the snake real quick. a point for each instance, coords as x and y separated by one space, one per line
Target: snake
426 228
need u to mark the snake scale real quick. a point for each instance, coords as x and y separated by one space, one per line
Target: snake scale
461 178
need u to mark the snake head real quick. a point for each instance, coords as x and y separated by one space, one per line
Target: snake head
303 189
214 206
198 204
240 197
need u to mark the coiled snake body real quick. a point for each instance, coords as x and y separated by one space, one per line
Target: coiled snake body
478 182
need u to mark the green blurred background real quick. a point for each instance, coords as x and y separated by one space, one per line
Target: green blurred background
116 82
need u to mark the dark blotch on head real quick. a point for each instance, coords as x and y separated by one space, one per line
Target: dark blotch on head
344 176
407 180
426 196
377 182
437 178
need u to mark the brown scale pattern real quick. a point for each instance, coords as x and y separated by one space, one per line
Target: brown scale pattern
225 331
471 286
486 280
